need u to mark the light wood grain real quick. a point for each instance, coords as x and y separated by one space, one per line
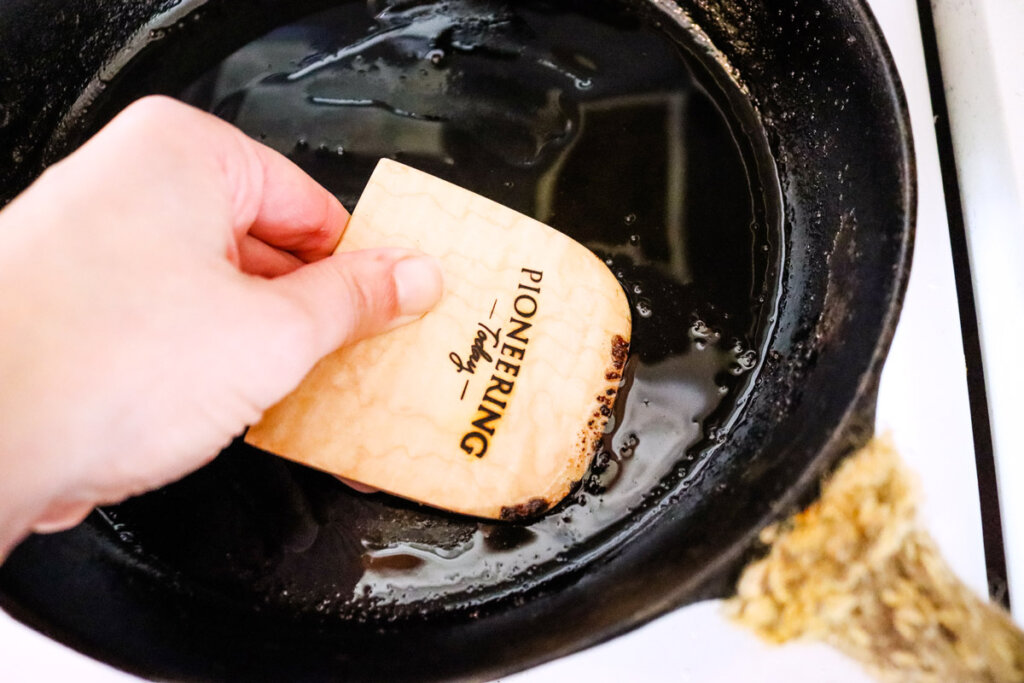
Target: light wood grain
397 413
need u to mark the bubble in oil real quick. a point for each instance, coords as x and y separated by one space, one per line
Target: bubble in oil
701 331
629 446
747 360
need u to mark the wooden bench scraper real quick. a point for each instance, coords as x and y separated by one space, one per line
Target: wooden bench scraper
493 403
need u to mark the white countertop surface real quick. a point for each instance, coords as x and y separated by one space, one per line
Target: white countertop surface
923 402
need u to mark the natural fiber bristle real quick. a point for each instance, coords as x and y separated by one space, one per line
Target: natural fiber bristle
856 570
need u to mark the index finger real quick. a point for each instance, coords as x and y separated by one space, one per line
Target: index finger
294 213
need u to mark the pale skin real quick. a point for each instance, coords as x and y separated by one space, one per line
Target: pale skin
159 289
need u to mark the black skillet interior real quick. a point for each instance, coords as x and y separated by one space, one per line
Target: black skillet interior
749 181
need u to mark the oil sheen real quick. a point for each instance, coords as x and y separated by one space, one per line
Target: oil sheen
590 118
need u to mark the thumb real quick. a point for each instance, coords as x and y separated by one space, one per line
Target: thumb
349 296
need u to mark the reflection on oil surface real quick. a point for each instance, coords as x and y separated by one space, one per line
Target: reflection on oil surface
592 121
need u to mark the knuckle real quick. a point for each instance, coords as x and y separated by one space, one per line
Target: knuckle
323 230
320 232
244 175
370 298
151 111
358 298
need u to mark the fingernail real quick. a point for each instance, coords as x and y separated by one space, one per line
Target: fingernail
418 283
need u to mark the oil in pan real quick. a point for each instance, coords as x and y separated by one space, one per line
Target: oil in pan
593 120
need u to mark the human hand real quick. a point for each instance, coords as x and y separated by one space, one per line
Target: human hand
159 289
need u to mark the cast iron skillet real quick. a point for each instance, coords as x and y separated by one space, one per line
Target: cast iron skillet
836 122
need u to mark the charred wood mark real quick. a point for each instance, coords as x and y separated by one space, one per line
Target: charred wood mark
524 511
620 351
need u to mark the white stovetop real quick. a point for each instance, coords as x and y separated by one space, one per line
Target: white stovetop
923 401
982 57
